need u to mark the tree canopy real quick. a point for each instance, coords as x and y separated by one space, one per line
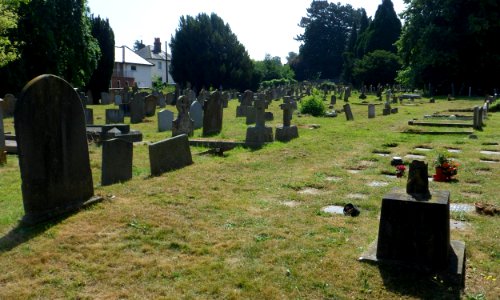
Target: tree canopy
451 42
206 53
54 36
8 22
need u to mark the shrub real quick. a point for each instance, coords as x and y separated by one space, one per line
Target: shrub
313 105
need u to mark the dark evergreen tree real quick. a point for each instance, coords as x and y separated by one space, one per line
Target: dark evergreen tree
384 31
54 37
364 23
206 53
451 42
326 31
99 81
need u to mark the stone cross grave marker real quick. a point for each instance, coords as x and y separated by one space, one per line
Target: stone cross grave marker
170 154
246 101
213 114
117 155
260 133
53 150
183 124
287 132
165 119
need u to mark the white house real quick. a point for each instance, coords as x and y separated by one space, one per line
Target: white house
130 68
160 59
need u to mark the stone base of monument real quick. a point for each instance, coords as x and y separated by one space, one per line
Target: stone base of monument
31 219
414 232
3 157
257 136
241 111
285 134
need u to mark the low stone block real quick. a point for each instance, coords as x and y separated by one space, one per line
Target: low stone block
117 157
285 134
170 154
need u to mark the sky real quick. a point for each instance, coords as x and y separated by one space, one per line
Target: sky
262 26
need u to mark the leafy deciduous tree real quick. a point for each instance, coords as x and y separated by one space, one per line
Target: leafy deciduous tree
379 66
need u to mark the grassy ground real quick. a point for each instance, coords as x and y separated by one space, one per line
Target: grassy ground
241 227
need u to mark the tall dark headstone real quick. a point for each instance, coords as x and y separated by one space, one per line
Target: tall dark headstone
183 124
114 116
89 116
53 151
170 154
150 102
3 156
213 114
137 109
348 112
117 157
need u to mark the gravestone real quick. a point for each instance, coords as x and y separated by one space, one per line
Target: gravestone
414 229
161 100
394 110
213 114
137 109
150 105
246 101
371 111
348 112
53 150
477 123
333 100
105 98
287 132
260 133
165 119
169 98
225 99
347 94
183 124
196 114
114 116
90 98
171 154
8 105
3 153
191 95
118 99
89 116
117 157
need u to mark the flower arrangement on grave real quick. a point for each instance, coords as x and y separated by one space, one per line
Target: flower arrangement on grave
400 171
446 168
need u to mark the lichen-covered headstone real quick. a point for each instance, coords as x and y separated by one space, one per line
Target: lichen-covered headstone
53 150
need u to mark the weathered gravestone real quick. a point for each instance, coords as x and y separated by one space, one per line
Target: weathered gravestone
137 109
246 102
3 153
150 102
387 109
213 114
333 100
105 98
414 229
90 98
371 111
225 99
348 112
117 156
161 102
183 124
173 153
165 119
53 151
118 99
287 132
169 98
260 133
8 105
477 122
114 116
89 116
196 114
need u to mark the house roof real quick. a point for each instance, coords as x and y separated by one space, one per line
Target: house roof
126 55
147 53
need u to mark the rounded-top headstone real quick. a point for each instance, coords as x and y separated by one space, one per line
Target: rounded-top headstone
53 151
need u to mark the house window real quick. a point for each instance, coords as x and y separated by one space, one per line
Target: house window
118 84
159 65
133 68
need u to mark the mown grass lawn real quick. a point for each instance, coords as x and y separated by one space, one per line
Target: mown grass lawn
240 226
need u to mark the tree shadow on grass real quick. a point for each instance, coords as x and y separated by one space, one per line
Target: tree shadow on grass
407 282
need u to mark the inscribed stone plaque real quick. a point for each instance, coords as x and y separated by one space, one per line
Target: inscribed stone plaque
117 156
170 154
53 150
196 114
165 118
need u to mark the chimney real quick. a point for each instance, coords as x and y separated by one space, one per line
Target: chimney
157 46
